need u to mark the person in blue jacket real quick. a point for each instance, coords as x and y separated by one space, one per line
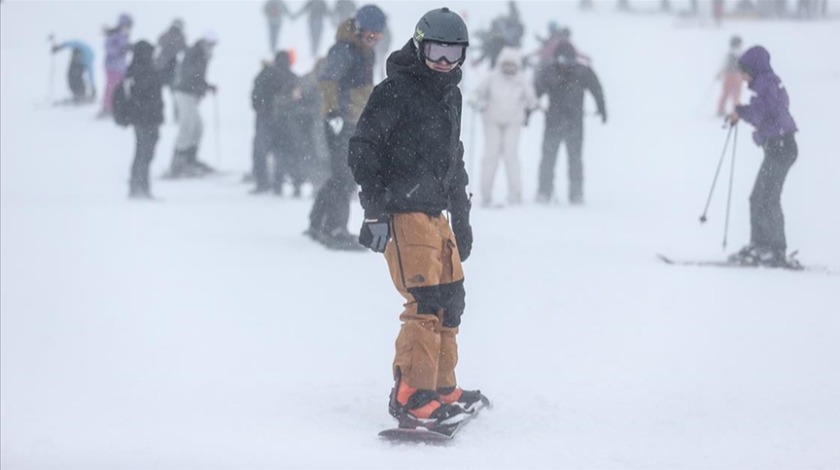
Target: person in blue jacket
80 71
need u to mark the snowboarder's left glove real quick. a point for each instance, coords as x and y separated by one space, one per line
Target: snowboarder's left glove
375 233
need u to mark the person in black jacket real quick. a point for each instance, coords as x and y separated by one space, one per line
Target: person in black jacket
274 89
408 158
171 44
346 81
565 81
190 88
146 115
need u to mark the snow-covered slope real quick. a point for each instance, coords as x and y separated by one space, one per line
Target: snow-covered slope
205 331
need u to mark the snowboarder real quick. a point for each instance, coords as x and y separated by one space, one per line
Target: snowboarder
316 11
190 88
346 82
768 110
146 115
731 76
408 158
274 11
117 46
80 68
504 97
565 82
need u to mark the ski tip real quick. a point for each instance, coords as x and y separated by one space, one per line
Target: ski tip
664 258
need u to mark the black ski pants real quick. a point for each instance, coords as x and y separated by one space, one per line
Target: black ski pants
767 222
331 210
570 132
144 152
265 142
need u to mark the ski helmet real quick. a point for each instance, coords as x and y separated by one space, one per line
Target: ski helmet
370 18
442 25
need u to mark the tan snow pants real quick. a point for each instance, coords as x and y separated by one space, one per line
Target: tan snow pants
426 269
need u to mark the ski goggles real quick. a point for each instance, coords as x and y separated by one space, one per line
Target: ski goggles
450 53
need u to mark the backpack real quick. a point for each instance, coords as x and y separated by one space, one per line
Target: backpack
121 103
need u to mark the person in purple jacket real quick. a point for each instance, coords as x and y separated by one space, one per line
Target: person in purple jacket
774 131
117 47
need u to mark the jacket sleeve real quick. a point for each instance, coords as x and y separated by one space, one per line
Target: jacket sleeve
594 86
459 200
336 66
368 151
769 95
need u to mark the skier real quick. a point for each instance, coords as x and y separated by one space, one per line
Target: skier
170 45
275 83
190 88
117 46
146 115
274 11
408 158
774 132
731 76
504 97
346 82
81 67
565 82
316 11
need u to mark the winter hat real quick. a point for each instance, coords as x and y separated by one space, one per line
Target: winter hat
178 24
735 41
566 53
210 38
284 59
124 20
370 18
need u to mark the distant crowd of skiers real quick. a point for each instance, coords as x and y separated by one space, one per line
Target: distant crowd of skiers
304 124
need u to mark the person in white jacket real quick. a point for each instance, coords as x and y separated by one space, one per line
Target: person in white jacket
505 97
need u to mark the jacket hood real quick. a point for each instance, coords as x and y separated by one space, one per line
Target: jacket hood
509 55
755 61
346 31
143 52
406 61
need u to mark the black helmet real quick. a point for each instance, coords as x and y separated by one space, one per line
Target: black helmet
442 25
370 18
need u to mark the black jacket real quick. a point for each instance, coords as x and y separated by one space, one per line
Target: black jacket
273 89
146 83
171 43
193 76
406 153
565 84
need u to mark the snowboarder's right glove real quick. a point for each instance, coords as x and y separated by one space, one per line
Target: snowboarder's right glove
460 215
375 233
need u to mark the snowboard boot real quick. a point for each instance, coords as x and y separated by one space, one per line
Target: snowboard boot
471 401
416 408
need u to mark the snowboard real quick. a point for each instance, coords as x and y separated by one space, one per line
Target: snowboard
420 435
792 264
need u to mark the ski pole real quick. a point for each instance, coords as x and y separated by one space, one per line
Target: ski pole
217 129
731 179
717 173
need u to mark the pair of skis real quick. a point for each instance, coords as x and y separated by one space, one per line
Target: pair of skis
791 264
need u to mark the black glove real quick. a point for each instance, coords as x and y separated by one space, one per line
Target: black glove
460 213
603 114
375 233
463 237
